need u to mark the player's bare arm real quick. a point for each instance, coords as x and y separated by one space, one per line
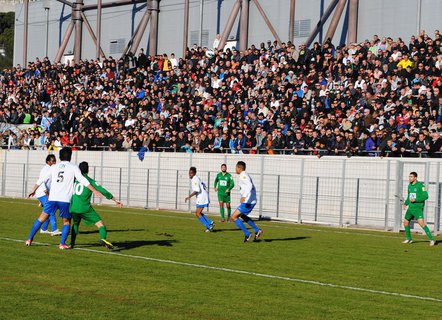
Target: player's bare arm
190 196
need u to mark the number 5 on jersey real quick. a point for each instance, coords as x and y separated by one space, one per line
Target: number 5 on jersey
60 176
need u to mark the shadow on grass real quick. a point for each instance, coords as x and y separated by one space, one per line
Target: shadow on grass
283 239
127 245
224 230
112 230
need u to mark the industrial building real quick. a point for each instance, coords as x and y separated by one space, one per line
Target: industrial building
170 25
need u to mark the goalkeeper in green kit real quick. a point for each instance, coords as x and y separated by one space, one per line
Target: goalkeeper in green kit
81 208
416 203
223 185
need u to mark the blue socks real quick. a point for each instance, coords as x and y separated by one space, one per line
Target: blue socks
253 225
53 221
35 227
64 233
241 225
44 226
203 222
208 221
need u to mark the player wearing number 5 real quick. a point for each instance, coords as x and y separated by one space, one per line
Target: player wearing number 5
60 177
416 203
81 208
223 185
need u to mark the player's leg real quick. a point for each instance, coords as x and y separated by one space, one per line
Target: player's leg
36 226
66 217
407 219
53 221
221 210
75 228
103 235
250 222
238 222
209 222
203 219
427 230
48 208
229 210
44 227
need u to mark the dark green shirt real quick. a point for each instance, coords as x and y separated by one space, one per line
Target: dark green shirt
224 182
417 192
81 199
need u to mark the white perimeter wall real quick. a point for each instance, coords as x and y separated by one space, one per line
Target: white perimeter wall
335 190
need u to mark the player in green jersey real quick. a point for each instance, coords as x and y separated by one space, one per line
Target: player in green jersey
223 185
416 203
81 208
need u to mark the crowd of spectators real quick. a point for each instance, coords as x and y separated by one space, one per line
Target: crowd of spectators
378 97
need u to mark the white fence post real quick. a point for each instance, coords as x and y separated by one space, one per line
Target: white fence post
129 156
387 195
427 185
5 164
301 191
27 173
341 206
438 201
101 171
261 187
190 186
398 197
158 180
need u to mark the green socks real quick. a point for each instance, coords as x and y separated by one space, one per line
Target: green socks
74 232
407 232
229 211
428 232
221 211
426 229
103 232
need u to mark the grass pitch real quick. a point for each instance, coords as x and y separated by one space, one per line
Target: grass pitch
166 267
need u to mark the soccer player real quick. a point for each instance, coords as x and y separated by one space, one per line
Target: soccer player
416 202
248 202
81 207
42 195
223 185
61 177
202 199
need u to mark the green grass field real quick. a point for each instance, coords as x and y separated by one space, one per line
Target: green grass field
166 267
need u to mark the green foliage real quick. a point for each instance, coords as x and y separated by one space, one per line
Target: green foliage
7 38
139 281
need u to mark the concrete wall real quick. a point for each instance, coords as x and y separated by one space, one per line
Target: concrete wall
363 190
391 18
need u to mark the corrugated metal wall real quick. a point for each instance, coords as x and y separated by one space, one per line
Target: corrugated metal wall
391 18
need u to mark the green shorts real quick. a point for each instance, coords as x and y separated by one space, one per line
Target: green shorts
90 217
224 197
416 215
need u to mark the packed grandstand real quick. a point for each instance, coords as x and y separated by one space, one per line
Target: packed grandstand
380 97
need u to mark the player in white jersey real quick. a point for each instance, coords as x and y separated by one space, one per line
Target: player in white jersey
42 195
199 190
61 178
248 201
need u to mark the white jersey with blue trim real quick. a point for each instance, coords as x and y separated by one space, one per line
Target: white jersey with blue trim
61 177
41 191
202 196
248 190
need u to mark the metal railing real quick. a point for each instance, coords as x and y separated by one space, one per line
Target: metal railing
310 151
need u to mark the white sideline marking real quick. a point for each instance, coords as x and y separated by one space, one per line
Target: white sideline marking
261 275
